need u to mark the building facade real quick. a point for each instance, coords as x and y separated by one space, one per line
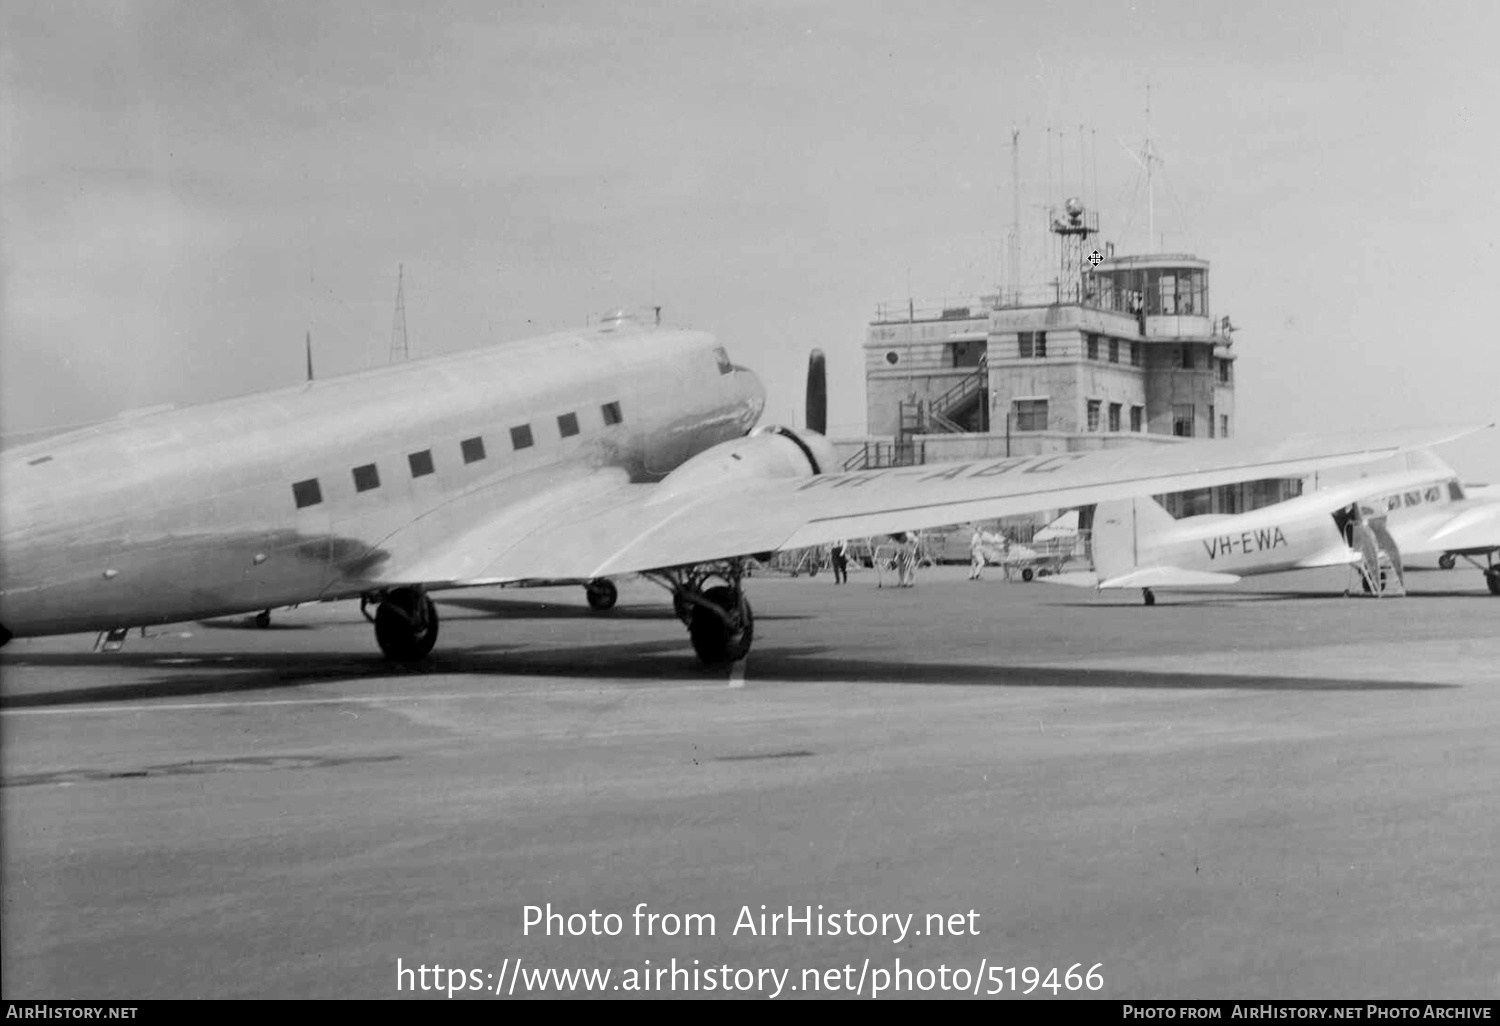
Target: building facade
1127 353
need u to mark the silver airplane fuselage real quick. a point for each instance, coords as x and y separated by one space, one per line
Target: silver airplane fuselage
285 497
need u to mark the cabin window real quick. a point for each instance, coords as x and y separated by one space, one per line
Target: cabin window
421 463
1182 420
307 493
1031 414
1412 498
1114 416
725 366
520 437
1433 494
473 449
612 414
1093 413
366 478
567 425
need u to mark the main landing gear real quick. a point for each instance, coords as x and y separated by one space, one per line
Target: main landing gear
602 594
1149 596
406 623
1491 569
719 620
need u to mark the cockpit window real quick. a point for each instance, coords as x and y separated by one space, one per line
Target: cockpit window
1455 491
722 355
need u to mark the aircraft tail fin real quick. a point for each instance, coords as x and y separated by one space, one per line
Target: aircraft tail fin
1121 529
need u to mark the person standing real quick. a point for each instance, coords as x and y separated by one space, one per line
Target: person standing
976 554
839 555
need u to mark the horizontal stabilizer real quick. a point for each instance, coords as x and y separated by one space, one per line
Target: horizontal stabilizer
1471 529
1168 577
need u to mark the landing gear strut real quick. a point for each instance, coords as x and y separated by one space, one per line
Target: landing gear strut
406 624
719 620
1491 570
602 594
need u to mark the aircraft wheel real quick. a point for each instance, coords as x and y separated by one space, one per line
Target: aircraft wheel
602 594
1149 596
406 625
1447 561
1492 578
263 619
1026 573
715 641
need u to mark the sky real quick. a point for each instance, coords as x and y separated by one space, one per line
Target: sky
186 189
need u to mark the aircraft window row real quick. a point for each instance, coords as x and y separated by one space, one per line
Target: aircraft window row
367 477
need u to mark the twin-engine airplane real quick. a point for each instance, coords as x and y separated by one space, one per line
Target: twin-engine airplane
1422 510
576 457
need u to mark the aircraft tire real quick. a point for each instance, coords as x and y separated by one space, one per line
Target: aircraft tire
263 619
402 640
1149 596
714 641
1492 578
1026 573
602 594
1447 561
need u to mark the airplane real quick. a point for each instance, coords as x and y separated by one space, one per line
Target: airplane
581 456
1416 511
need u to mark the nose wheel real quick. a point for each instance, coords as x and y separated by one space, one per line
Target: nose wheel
602 594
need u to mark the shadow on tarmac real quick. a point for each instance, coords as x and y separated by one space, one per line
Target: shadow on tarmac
650 661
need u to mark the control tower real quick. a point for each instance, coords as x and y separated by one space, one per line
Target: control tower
1116 350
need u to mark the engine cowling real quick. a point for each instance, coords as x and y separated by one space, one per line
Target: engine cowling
767 453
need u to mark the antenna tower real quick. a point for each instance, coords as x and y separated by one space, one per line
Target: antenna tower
398 322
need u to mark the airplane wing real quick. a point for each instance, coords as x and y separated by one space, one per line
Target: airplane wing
603 526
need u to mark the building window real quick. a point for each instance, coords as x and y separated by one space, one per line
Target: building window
421 463
1033 345
1187 357
567 425
520 437
1135 354
1210 421
1114 350
1224 366
1093 414
1223 425
966 354
1031 414
366 478
612 413
1093 346
307 493
1136 416
1182 420
473 449
1114 416
892 357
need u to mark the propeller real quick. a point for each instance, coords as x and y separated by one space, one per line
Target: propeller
817 393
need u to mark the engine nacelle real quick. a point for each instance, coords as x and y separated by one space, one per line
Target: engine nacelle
767 453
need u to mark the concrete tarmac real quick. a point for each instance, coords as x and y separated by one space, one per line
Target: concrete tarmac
1265 792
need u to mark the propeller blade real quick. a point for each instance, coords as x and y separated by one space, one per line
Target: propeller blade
817 393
